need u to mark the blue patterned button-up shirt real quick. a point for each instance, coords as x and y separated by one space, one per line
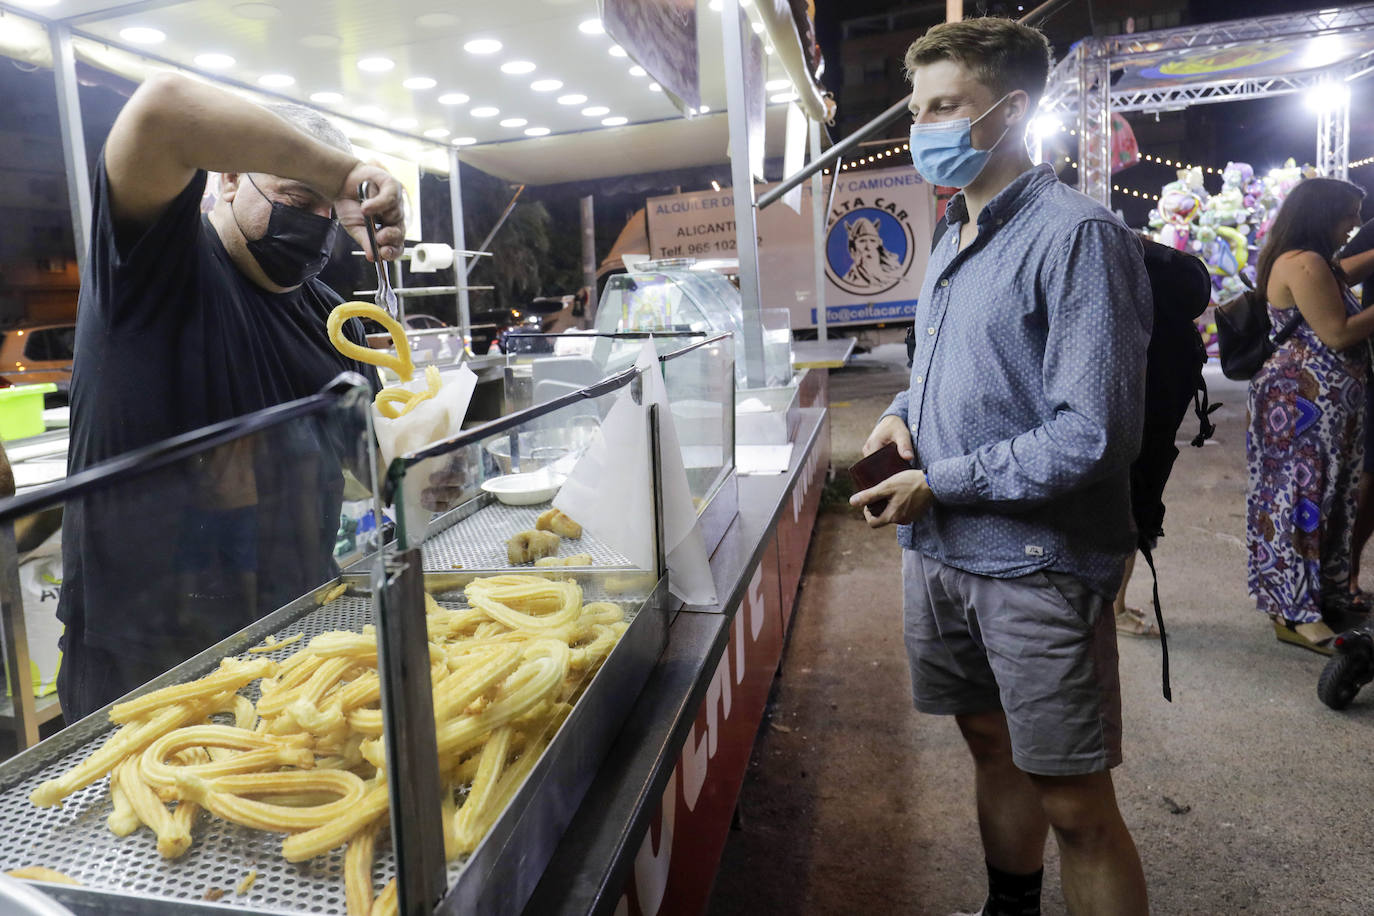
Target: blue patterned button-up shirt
1027 387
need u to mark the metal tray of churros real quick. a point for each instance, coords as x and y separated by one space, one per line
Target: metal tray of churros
235 869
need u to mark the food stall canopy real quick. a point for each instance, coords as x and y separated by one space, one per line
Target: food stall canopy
530 90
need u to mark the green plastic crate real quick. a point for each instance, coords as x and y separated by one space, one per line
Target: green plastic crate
21 410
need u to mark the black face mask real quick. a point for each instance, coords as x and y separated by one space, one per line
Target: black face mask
295 246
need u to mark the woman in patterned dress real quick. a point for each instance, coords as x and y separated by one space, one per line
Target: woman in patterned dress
1305 442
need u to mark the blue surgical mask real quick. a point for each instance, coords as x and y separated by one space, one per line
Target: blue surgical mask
943 152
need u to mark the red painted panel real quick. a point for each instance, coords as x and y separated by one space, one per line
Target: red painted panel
677 861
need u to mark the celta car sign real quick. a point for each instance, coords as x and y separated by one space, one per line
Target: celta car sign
875 248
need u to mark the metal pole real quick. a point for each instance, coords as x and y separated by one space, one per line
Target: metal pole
878 123
746 229
73 139
460 260
819 218
589 260
505 214
412 754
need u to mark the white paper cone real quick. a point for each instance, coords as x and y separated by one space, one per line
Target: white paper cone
441 417
689 568
609 492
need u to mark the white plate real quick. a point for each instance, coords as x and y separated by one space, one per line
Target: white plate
524 489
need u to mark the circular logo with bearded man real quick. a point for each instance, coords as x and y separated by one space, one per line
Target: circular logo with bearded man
868 251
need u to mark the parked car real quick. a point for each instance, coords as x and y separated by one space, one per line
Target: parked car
34 354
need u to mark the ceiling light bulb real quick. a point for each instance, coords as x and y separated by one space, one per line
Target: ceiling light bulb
517 67
376 64
574 99
777 85
453 98
463 141
637 70
591 27
405 124
616 51
783 97
655 87
546 85
596 111
141 35
276 80
513 122
536 131
758 28
715 6
326 98
614 122
437 133
482 46
420 82
214 61
704 109
484 111
768 49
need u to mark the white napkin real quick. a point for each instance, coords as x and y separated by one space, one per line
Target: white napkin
609 491
441 417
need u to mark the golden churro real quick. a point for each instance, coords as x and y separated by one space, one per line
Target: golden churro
358 872
307 760
400 363
39 873
232 675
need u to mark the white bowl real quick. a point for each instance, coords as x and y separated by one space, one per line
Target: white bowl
524 489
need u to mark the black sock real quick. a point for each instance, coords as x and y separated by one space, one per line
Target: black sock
1013 895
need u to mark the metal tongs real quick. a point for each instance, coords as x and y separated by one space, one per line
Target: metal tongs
386 296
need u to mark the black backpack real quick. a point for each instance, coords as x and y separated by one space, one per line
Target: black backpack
1181 287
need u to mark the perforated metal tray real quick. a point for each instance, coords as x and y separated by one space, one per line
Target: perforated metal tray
476 535
127 874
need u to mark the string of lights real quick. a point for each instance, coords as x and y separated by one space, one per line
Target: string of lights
872 158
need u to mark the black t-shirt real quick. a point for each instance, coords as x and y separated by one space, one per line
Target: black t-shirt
171 337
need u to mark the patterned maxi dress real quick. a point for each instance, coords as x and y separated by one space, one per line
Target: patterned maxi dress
1304 448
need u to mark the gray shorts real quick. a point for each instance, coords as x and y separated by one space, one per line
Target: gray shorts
1042 648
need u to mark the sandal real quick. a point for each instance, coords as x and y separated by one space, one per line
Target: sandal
1314 637
1133 622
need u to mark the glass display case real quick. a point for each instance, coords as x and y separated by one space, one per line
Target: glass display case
698 373
674 296
208 563
570 606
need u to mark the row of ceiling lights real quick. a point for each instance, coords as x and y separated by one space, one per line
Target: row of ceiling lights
217 62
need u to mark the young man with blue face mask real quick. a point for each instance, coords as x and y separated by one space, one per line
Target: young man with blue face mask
1022 418
187 319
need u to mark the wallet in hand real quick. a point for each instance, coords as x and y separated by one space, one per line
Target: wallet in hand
877 467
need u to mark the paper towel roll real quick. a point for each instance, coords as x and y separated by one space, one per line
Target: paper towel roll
427 257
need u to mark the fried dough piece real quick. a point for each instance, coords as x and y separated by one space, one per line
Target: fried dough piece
528 546
577 559
555 521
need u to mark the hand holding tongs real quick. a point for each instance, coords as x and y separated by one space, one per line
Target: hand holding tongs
386 296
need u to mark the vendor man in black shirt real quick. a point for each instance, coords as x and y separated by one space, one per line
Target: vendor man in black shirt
185 320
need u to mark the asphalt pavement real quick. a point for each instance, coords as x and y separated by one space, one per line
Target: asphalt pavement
1244 795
